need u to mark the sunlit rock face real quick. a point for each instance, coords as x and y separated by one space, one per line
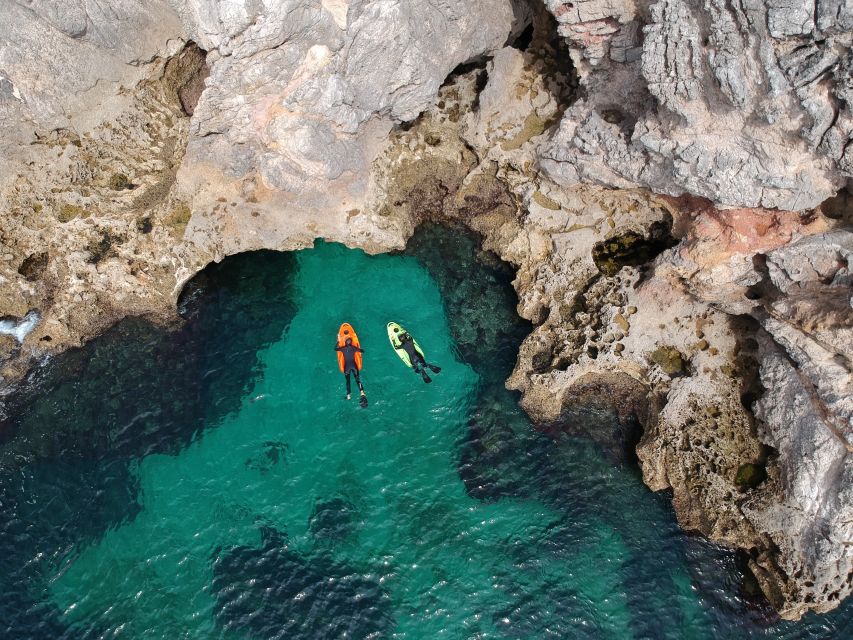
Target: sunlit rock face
61 63
681 313
301 99
142 140
747 104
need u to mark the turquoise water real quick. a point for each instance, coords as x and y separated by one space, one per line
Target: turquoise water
212 482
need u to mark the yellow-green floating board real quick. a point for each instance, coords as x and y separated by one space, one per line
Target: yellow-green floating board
393 330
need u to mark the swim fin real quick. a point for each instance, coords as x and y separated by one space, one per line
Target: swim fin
362 400
434 368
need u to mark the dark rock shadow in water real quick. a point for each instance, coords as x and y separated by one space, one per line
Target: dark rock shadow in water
476 287
272 454
501 456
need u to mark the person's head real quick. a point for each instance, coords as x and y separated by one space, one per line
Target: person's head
396 329
349 342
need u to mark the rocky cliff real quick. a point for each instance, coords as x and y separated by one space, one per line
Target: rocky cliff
665 177
744 103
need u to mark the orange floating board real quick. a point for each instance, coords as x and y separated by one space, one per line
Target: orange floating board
346 331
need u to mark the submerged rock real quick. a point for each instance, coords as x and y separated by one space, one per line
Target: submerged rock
333 520
274 592
271 455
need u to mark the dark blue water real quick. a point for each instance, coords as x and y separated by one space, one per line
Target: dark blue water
211 481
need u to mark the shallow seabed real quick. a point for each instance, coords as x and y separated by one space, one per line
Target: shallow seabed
212 482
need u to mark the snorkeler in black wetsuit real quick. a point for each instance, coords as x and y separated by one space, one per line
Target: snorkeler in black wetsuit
419 365
349 351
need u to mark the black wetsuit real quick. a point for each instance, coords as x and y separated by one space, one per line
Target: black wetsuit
419 364
349 352
408 345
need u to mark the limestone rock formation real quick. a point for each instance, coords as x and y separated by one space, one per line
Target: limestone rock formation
746 104
301 99
143 140
62 63
91 131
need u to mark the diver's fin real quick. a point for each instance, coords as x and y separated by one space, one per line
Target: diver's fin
434 368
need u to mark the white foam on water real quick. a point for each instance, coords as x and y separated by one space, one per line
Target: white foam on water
20 328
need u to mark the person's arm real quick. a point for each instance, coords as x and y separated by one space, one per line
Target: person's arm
337 347
359 349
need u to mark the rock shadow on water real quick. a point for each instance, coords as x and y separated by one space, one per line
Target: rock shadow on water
476 287
501 456
488 449
271 592
608 409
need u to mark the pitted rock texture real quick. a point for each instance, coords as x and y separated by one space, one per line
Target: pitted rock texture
746 104
92 132
178 133
814 468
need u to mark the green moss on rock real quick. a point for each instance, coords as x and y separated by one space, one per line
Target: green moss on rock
533 126
67 212
749 475
669 359
178 218
544 201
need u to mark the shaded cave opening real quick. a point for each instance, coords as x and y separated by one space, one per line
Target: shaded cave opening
633 248
840 206
184 76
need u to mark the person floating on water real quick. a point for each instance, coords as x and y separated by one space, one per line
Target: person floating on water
348 350
419 364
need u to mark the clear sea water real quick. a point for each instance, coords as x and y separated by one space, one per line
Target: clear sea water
212 482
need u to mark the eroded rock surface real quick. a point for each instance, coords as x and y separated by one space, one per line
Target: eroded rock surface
220 127
113 196
746 104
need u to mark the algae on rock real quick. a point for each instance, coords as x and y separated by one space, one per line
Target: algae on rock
669 359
